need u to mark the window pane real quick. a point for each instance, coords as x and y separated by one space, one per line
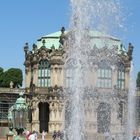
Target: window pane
102 75
102 84
39 83
45 82
119 75
122 84
42 73
39 73
109 73
104 78
106 73
121 79
123 75
110 83
45 72
106 83
49 72
49 82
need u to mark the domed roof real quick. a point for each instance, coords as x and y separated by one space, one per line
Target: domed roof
98 39
50 39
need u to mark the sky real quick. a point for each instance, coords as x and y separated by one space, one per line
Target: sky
24 21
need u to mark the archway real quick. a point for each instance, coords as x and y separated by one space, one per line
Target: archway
44 116
103 117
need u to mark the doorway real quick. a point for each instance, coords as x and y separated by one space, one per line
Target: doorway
44 116
104 117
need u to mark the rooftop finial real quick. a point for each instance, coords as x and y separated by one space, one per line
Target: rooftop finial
63 30
43 42
130 51
26 49
34 47
62 36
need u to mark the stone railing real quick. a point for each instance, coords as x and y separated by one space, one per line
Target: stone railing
11 90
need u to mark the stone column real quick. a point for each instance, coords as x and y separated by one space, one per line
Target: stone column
95 75
52 76
56 75
35 75
127 71
35 118
27 77
9 136
114 77
62 75
63 116
52 119
59 76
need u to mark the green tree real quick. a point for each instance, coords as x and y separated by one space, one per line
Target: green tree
1 73
138 79
14 75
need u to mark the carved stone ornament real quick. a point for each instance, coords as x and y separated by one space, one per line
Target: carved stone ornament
42 98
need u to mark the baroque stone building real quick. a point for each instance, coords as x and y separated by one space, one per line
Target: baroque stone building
44 82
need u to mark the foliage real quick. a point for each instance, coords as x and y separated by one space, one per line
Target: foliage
1 70
138 79
1 73
12 74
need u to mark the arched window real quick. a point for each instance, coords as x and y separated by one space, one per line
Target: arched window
103 117
44 74
121 77
104 75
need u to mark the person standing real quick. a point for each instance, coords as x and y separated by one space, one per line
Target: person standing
32 137
43 135
54 135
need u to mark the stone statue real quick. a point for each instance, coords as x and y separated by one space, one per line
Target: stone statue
11 84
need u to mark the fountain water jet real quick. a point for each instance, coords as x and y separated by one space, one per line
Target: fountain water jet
86 55
131 124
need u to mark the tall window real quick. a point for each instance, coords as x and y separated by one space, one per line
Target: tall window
104 76
44 74
121 77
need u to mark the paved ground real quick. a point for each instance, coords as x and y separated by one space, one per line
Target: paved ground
2 138
47 138
38 139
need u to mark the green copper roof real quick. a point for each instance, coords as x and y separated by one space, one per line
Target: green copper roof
51 40
98 39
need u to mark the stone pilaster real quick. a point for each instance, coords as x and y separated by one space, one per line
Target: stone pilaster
59 76
35 78
52 76
127 71
35 117
56 75
56 115
28 78
114 76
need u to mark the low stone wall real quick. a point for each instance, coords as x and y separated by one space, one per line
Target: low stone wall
3 132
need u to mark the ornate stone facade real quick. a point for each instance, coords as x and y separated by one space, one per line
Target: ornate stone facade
44 80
